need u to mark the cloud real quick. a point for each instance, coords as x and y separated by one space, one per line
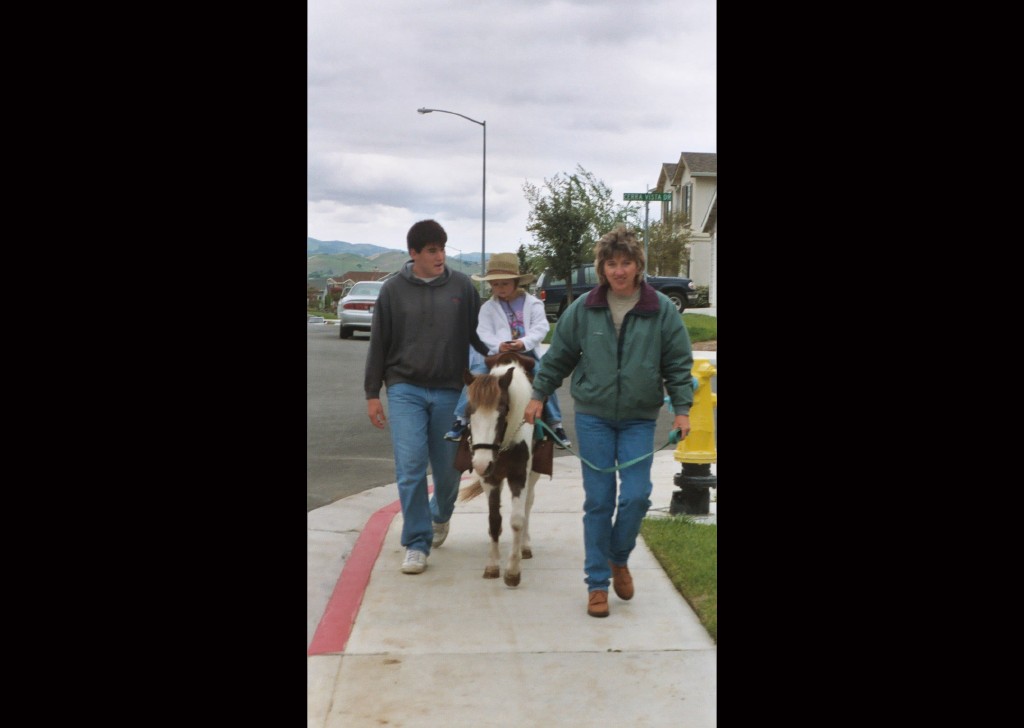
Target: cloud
617 88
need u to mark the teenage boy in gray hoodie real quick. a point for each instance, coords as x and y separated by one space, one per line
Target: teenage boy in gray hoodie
424 320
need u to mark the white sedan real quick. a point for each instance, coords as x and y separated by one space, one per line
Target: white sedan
355 310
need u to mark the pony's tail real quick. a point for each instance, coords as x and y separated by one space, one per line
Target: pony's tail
468 492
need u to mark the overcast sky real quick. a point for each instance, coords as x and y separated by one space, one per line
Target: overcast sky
618 88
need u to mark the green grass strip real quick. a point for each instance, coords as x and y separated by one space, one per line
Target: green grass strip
688 552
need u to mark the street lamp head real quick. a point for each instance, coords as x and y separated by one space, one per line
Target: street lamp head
483 191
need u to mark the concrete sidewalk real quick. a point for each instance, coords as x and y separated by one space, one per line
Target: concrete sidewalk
448 647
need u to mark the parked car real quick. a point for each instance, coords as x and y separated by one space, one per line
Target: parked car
355 310
314 319
552 291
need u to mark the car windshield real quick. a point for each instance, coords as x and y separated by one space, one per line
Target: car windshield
366 288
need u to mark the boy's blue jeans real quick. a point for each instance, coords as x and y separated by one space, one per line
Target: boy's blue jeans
418 418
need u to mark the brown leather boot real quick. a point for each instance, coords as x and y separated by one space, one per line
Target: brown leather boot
622 580
597 604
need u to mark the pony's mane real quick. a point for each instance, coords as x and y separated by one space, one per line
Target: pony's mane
484 391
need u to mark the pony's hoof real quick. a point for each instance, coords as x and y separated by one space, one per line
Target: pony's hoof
492 572
527 554
512 579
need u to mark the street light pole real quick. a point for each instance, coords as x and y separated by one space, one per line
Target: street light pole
647 258
483 209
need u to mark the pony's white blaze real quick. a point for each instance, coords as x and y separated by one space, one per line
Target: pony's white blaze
484 428
508 461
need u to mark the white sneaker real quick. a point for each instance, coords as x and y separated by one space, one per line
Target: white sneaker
440 533
415 562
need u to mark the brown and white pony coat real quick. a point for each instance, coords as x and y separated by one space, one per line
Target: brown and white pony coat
502 443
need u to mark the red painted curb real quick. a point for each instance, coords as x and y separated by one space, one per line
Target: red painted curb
336 624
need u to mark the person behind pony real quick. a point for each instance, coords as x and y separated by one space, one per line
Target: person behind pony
625 345
424 321
512 319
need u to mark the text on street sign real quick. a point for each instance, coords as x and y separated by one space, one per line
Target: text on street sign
648 196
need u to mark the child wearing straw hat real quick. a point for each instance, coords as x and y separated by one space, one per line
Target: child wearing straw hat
512 319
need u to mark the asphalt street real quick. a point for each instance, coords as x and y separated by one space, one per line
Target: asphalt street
345 454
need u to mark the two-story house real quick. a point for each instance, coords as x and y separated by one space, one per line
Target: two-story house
693 182
710 226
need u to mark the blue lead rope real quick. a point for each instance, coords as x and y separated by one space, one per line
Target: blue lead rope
673 439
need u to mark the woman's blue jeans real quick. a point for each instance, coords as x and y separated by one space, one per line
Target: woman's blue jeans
610 534
419 418
553 413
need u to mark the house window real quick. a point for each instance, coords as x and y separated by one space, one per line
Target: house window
687 199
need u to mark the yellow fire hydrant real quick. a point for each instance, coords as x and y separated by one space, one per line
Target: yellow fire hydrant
698 450
699 445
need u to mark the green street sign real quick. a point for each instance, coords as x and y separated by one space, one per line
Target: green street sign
648 196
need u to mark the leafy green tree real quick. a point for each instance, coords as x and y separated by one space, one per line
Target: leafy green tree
567 217
531 260
667 250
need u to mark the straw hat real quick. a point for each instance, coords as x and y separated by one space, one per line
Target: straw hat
503 267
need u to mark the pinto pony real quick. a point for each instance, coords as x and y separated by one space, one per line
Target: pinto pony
502 445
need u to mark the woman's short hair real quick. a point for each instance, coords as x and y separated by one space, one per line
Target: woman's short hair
620 241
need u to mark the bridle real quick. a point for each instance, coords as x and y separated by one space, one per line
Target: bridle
496 445
500 431
499 434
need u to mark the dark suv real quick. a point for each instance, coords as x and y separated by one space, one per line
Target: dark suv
552 290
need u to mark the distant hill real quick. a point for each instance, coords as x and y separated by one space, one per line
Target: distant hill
336 257
334 247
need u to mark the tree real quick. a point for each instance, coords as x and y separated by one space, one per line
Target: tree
568 217
667 250
531 260
524 260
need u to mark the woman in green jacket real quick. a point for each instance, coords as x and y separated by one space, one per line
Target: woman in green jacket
625 345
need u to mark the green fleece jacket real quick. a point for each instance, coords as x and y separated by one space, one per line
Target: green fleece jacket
624 377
